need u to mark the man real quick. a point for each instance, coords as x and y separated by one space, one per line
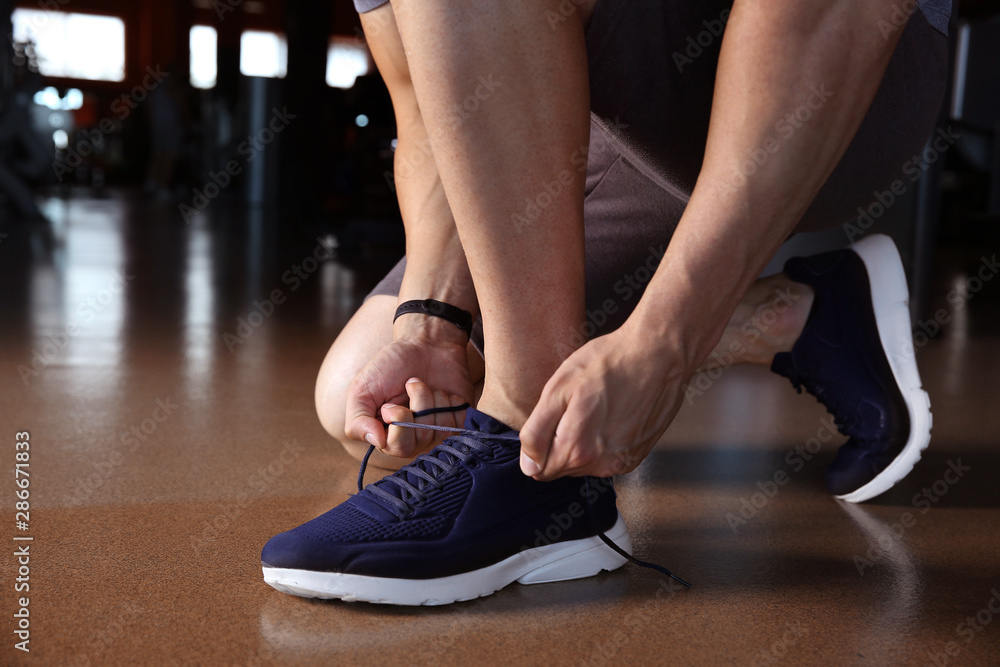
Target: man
723 145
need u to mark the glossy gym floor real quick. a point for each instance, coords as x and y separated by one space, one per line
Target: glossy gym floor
165 375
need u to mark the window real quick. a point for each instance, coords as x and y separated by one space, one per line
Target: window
263 54
204 56
77 46
345 62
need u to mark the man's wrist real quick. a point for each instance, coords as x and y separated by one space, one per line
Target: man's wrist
683 313
420 326
462 319
445 279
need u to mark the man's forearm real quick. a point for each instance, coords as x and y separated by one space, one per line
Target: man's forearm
794 82
436 265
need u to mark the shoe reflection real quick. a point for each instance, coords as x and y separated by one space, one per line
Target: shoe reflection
889 570
292 627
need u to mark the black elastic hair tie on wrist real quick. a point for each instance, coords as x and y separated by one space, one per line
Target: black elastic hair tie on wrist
460 318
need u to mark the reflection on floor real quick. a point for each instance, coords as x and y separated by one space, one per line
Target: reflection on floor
165 375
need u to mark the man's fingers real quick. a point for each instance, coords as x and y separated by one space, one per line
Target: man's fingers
539 430
459 416
363 408
359 412
572 450
361 422
400 441
366 429
423 397
585 443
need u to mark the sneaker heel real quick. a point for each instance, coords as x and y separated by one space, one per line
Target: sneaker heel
586 563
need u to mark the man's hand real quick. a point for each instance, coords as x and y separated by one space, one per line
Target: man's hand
604 409
407 376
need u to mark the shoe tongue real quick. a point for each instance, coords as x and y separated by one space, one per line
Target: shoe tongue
482 422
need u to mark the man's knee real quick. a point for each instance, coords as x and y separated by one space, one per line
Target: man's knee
330 402
332 420
331 398
360 340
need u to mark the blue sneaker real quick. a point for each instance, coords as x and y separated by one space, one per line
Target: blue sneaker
856 356
458 523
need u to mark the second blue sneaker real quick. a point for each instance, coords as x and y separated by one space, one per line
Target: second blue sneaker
856 356
458 523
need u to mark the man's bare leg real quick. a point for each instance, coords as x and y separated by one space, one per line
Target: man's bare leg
768 320
510 165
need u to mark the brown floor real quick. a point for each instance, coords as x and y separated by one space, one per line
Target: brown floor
146 551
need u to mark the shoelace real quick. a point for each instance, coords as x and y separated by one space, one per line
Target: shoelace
441 469
431 469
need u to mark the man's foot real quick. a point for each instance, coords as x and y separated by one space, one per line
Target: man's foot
856 356
458 523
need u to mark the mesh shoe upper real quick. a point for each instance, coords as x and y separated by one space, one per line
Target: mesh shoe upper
463 506
840 360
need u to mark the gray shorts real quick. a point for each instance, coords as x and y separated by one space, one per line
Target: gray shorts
651 95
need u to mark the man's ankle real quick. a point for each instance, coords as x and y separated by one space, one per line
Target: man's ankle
503 409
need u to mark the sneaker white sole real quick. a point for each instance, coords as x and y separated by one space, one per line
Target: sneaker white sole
891 303
552 562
